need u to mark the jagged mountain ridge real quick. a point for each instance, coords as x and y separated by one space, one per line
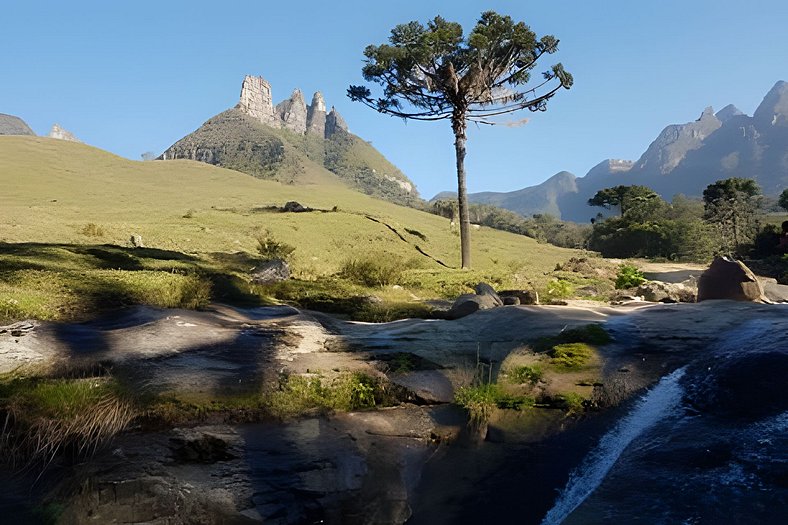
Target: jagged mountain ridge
684 158
282 141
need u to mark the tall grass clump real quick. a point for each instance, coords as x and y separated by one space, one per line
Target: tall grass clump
92 229
44 417
373 269
297 395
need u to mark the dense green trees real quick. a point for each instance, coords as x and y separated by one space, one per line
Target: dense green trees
624 197
723 222
731 205
436 73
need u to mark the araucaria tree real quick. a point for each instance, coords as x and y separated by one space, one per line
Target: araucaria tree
436 73
731 205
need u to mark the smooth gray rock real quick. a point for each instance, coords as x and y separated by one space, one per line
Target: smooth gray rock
469 303
486 289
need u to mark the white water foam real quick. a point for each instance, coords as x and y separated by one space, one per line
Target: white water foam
649 410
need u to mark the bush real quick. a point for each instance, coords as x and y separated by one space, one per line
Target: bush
571 356
479 401
269 248
560 289
629 276
297 395
373 270
525 374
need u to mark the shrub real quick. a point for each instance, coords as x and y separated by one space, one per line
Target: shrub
297 395
373 270
560 288
572 402
571 356
479 401
92 230
629 276
525 374
269 248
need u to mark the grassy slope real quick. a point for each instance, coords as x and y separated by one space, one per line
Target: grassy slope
52 189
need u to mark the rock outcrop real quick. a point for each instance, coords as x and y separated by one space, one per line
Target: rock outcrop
11 125
729 279
292 113
62 134
334 122
316 116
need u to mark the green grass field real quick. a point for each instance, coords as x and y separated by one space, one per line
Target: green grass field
68 211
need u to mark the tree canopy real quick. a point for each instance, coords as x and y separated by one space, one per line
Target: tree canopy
434 72
731 205
625 197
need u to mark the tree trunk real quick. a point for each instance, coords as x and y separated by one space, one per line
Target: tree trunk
458 126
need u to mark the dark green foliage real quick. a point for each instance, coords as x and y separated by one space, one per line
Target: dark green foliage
625 197
730 205
629 276
650 227
525 374
782 201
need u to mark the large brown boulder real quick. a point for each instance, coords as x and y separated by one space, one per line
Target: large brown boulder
658 291
729 279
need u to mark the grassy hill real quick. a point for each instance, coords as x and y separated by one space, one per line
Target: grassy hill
68 211
234 140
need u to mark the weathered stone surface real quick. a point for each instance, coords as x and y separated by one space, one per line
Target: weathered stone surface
658 291
62 134
272 271
11 125
524 296
470 303
486 289
334 122
316 116
256 100
292 112
729 279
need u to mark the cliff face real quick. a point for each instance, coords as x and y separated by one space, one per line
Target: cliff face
292 113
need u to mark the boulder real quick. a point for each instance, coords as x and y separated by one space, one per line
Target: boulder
658 291
486 289
510 300
729 279
272 271
136 241
470 303
524 296
294 207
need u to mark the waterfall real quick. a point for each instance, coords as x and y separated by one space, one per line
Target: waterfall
650 409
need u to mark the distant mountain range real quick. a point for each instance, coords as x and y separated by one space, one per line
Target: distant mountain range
684 158
291 142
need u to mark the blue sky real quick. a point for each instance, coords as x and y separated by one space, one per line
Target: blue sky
131 77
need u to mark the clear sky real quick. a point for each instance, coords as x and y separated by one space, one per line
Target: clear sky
131 77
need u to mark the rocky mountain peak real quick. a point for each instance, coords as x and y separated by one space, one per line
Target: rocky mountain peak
292 112
773 111
676 141
334 122
727 113
256 100
11 125
316 115
62 134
